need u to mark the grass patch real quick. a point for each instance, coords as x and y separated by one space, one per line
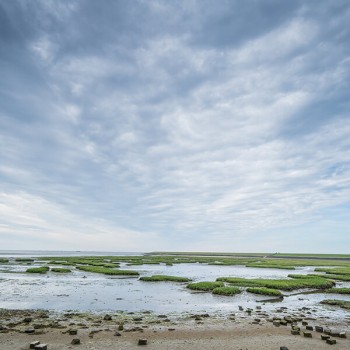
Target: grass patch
60 270
271 266
226 290
342 303
24 260
205 286
334 271
41 269
282 284
4 261
107 271
338 290
265 291
164 278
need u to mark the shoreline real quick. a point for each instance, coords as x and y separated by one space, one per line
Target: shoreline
253 330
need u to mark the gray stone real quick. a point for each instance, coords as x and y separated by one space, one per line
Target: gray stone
319 329
342 335
107 317
142 342
75 341
295 332
283 348
331 341
33 344
41 347
324 337
73 332
117 334
307 334
309 328
29 330
27 320
276 323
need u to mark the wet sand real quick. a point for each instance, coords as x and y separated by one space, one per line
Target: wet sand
162 332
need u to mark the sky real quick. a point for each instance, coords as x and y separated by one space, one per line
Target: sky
189 125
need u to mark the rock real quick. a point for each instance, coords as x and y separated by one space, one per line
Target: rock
107 318
276 323
257 320
121 327
283 348
27 319
327 331
304 323
137 319
342 335
73 332
29 331
295 332
40 347
258 307
142 342
334 334
283 322
240 308
75 341
324 337
319 329
33 344
331 341
309 328
162 316
117 334
307 334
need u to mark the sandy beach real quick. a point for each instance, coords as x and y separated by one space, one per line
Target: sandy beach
195 332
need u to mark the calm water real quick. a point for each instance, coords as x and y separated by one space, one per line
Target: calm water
94 292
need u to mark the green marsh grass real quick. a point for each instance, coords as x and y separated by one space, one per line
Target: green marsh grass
60 270
342 303
226 291
334 271
205 286
107 271
164 278
338 290
41 269
282 284
4 261
265 291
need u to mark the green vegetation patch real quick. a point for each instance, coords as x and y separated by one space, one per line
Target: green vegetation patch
107 271
205 286
334 271
41 269
282 284
60 270
24 260
164 278
226 291
4 261
338 290
271 266
342 303
265 291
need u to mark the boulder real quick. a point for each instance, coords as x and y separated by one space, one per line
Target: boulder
73 332
309 328
324 336
142 342
33 344
75 341
319 329
307 334
107 317
342 335
331 341
40 347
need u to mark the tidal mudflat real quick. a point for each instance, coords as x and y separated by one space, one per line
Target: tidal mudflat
152 294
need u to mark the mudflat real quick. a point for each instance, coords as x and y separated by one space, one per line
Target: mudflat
99 332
